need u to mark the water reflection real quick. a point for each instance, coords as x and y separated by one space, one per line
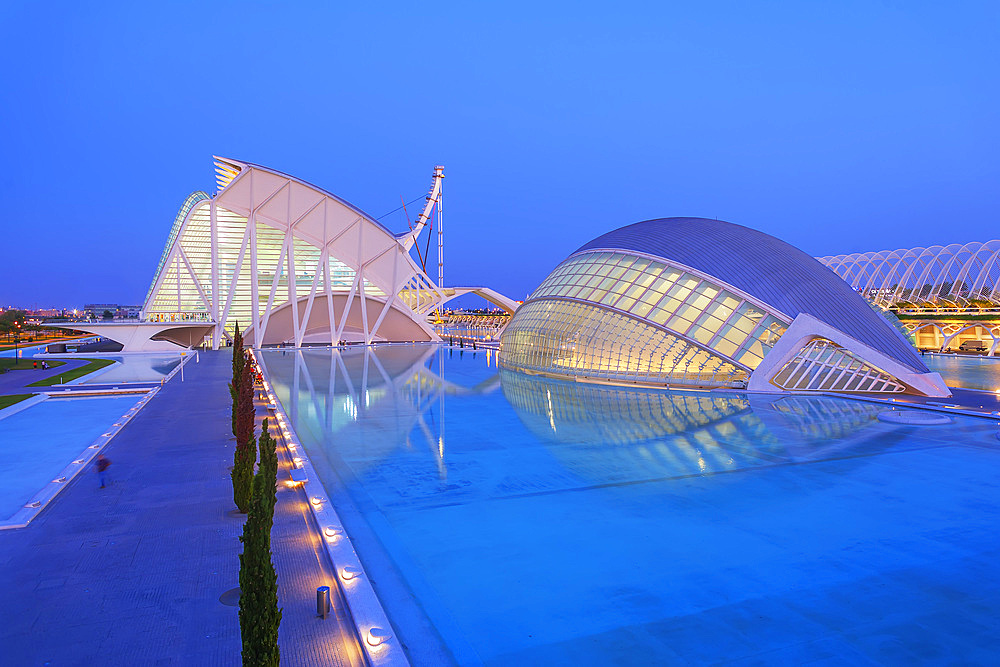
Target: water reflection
134 368
966 372
646 432
364 403
378 418
578 412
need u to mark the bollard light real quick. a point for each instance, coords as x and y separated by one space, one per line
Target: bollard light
322 601
377 636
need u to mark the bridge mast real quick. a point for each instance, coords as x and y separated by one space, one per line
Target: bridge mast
439 173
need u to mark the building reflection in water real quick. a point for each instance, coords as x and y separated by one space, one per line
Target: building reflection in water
382 413
650 432
368 400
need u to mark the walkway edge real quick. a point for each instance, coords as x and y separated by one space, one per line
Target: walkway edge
22 405
48 493
370 620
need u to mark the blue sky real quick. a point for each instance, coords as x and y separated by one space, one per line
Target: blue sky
836 126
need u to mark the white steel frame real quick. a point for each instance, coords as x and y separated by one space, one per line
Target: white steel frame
306 217
968 271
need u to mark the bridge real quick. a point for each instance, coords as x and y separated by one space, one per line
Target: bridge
145 336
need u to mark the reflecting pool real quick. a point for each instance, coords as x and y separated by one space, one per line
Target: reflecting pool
144 367
40 441
967 372
508 519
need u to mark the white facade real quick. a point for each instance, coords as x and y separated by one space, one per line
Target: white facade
292 264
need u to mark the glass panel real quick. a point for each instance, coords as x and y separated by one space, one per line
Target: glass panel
569 338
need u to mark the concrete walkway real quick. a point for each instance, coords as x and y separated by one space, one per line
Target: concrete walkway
133 574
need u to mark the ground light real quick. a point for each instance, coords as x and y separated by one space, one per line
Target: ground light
377 636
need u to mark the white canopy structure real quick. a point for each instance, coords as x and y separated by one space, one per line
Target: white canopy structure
292 264
955 275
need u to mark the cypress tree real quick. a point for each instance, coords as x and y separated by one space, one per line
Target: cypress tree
260 615
238 361
245 455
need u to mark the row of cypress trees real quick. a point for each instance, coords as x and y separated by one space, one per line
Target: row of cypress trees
254 495
260 615
241 391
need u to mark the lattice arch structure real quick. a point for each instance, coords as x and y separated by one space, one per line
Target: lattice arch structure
290 263
955 275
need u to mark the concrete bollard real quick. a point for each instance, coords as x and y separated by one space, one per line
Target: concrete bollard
323 601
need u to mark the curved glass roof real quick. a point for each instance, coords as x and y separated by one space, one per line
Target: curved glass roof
189 203
778 274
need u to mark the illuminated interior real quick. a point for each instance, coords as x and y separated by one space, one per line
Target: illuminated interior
705 303
290 263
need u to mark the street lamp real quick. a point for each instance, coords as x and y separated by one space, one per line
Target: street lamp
17 338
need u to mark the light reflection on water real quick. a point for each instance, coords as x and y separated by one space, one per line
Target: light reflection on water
966 372
474 482
363 408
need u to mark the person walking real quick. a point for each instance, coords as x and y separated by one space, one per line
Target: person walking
102 464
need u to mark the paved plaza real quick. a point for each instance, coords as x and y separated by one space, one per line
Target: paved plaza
132 574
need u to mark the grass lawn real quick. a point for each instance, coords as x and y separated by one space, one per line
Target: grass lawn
25 364
6 401
89 367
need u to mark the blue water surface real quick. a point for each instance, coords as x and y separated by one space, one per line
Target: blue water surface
521 520
966 371
38 442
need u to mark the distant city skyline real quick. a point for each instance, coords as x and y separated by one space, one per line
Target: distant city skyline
843 128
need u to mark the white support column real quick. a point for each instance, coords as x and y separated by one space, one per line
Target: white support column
214 233
278 270
312 297
236 275
177 270
254 286
327 275
347 306
390 298
361 284
327 278
293 292
364 308
194 277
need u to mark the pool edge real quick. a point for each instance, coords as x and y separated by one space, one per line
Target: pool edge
365 609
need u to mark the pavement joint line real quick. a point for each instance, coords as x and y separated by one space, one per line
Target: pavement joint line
48 493
363 606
